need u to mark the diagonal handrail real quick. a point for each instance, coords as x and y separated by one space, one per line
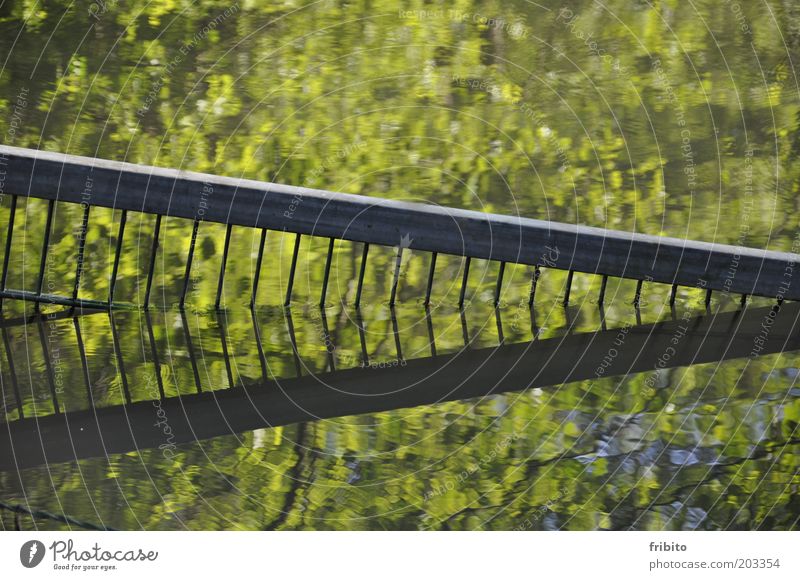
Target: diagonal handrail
374 221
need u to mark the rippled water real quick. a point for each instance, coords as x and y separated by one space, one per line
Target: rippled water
678 121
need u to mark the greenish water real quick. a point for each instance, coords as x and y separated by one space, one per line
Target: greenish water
670 119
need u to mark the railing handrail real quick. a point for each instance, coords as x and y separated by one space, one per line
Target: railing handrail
513 239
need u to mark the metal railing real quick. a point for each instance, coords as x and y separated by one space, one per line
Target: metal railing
371 221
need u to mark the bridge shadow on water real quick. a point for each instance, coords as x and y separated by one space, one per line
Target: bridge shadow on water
104 388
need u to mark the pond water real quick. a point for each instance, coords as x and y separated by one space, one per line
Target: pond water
674 119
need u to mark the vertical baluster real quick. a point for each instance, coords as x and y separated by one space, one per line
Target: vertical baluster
464 281
257 273
225 248
117 254
396 332
430 280
48 365
328 262
262 359
534 327
708 298
570 275
362 339
534 281
361 275
153 254
81 251
328 343
431 336
293 341
187 274
292 270
118 354
45 244
396 277
464 329
84 362
637 297
673 293
13 372
602 298
190 349
499 287
154 352
743 300
499 319
224 342
9 236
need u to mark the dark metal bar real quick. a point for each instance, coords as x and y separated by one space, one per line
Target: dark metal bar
570 275
396 333
396 277
743 300
120 362
225 356
225 248
292 269
154 352
362 339
262 359
328 262
328 343
123 218
362 270
81 249
257 273
464 329
602 297
637 297
13 372
499 287
379 221
152 269
293 342
9 236
708 297
84 361
48 365
430 280
188 273
45 244
190 348
431 335
673 293
498 317
534 281
535 330
464 281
